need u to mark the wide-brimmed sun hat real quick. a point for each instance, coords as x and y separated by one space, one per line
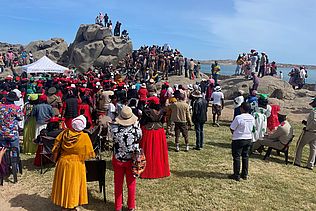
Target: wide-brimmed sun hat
197 94
52 90
126 117
217 89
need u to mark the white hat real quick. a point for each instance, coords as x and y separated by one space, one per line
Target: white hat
79 123
151 81
217 89
98 83
143 85
73 86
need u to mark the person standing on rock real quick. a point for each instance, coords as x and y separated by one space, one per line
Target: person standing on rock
191 68
101 17
186 67
255 80
106 19
110 25
263 64
308 137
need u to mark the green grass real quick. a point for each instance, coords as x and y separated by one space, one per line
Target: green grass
198 181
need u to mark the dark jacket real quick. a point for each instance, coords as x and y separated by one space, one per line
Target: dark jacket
152 119
71 107
199 111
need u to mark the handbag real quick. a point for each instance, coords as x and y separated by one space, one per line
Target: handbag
138 162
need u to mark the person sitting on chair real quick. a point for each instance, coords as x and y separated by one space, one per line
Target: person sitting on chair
279 138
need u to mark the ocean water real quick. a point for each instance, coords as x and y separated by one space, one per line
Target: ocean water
230 70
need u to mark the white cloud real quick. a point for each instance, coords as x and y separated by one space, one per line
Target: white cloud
283 28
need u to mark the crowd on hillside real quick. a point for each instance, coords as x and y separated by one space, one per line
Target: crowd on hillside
12 59
248 63
135 101
253 62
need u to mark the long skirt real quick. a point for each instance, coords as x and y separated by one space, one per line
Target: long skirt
70 186
85 110
29 135
155 147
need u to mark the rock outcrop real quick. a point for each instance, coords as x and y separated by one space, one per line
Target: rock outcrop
275 87
95 45
56 47
4 47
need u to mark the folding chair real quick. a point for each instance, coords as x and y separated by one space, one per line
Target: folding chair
46 154
285 150
95 171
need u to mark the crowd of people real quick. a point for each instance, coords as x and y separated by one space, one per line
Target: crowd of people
12 59
248 63
140 109
103 20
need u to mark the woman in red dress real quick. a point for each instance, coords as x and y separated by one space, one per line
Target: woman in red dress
154 141
85 106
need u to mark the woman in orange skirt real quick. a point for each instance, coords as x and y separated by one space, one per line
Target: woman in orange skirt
154 141
72 147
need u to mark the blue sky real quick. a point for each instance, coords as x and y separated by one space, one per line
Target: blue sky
201 29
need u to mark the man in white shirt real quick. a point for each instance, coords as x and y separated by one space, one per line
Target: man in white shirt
242 129
217 99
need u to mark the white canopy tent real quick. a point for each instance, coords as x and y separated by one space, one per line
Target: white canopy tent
44 65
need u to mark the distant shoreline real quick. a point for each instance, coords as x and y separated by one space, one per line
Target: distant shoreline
233 62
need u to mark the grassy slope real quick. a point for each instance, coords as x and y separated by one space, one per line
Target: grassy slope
198 182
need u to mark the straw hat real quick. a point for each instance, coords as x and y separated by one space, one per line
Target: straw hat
126 117
197 94
52 90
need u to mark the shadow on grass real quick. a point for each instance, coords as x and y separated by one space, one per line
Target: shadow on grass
279 159
219 144
109 165
200 174
32 202
98 204
29 165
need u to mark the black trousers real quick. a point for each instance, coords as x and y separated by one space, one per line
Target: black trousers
240 148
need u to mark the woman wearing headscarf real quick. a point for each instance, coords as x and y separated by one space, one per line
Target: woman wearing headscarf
126 135
154 141
71 148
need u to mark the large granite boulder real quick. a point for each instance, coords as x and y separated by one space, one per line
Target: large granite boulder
4 47
95 45
275 87
56 47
